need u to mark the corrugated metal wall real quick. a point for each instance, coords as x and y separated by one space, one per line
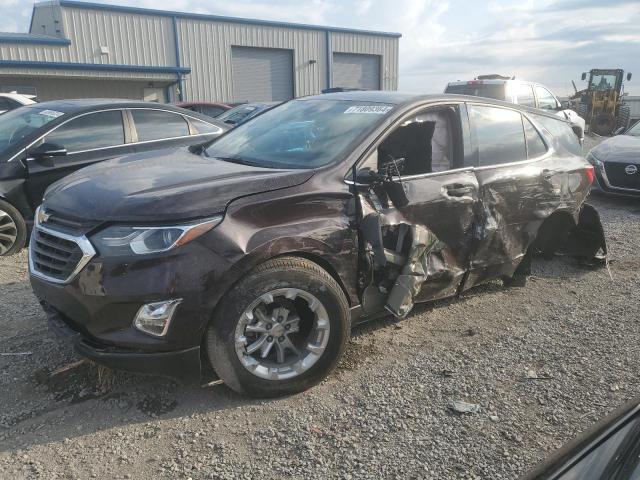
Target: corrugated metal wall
206 48
132 39
57 88
386 47
205 45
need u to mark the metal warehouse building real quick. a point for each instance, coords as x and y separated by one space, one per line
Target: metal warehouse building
77 49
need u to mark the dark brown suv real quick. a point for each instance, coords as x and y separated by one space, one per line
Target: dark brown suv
260 251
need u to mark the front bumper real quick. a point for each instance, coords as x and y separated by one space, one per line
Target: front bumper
183 364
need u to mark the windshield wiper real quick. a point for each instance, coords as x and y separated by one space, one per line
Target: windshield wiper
236 159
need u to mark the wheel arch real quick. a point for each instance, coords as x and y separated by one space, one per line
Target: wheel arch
553 231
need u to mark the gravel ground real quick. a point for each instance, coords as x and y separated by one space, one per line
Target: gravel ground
543 362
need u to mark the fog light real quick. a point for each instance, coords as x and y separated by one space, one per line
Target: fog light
154 318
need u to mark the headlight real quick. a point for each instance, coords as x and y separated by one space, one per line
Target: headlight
122 240
591 158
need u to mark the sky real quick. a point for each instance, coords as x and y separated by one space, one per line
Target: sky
548 41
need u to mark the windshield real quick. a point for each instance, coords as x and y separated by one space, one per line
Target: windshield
635 130
487 90
602 82
22 122
299 133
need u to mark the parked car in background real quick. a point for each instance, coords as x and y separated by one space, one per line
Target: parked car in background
11 101
266 246
528 94
245 111
210 109
610 450
42 143
617 163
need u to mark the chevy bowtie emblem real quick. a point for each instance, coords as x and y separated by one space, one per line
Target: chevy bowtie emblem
43 217
630 169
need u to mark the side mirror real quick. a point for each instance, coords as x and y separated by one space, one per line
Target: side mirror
628 76
584 76
367 177
45 152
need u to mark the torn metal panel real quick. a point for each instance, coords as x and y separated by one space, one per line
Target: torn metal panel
586 241
408 284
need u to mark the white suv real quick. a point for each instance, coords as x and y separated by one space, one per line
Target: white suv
508 89
11 101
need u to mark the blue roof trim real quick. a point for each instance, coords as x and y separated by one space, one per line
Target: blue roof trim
36 40
94 66
218 18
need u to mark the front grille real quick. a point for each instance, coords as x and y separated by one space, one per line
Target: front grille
69 224
619 178
54 256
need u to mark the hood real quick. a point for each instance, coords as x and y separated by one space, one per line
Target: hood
620 149
163 185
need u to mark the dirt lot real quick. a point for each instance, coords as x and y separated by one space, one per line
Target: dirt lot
543 362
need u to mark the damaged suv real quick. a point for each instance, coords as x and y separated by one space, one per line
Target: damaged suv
258 252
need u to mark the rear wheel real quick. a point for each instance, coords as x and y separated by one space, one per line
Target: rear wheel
281 330
13 230
624 116
583 110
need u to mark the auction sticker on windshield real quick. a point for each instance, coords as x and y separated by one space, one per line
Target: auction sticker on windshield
377 109
51 113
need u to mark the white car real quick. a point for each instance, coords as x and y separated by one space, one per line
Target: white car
11 101
521 92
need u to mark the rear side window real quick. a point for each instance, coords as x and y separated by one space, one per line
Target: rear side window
203 127
487 90
535 144
524 93
499 135
7 104
562 132
158 125
88 132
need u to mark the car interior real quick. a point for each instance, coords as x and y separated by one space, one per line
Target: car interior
430 142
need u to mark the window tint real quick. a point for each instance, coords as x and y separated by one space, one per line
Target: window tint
525 96
95 130
562 132
535 144
211 111
487 90
158 124
499 135
6 104
545 99
203 127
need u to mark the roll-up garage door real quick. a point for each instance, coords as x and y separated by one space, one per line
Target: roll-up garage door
356 71
262 74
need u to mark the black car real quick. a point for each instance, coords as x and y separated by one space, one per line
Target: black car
260 251
610 450
42 143
243 112
617 163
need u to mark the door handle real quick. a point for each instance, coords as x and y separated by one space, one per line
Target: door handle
459 190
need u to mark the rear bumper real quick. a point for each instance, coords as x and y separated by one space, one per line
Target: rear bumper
182 365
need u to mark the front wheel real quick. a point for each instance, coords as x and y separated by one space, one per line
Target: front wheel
280 330
13 230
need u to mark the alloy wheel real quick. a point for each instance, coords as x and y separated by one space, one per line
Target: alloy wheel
282 334
8 232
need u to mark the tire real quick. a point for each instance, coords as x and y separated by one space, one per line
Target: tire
583 110
603 124
624 117
230 322
13 230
